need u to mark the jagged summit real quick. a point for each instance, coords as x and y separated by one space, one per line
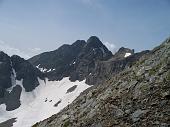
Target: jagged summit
94 42
79 43
68 60
3 55
125 50
123 53
83 60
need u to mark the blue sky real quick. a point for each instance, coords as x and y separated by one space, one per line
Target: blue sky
29 27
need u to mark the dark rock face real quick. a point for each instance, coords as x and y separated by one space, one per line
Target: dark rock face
24 70
12 99
93 52
120 54
76 60
8 123
12 69
59 60
5 72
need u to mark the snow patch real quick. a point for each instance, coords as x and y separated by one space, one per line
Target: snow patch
127 54
49 70
42 100
44 69
13 79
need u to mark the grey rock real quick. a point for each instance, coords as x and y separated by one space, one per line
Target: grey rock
137 114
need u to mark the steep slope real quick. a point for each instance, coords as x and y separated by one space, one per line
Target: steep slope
138 96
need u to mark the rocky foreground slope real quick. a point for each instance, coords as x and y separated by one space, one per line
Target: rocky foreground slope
137 97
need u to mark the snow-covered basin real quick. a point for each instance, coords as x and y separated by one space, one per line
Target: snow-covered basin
39 104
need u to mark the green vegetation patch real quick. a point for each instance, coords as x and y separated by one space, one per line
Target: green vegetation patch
67 123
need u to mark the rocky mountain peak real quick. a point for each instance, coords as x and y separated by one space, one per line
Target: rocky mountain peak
69 60
125 50
3 56
123 53
95 49
79 43
94 42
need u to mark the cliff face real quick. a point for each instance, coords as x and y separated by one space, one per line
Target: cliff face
12 69
137 96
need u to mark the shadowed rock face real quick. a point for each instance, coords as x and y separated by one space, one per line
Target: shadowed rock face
120 54
5 72
60 60
12 69
76 60
24 70
12 99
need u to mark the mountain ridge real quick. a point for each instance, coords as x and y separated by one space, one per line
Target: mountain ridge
137 96
79 69
81 64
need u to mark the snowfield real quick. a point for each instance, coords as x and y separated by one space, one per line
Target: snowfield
47 99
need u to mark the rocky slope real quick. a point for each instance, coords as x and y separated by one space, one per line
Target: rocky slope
137 96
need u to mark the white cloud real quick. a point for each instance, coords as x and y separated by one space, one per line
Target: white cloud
110 46
12 50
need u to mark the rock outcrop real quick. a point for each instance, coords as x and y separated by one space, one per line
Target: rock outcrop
12 69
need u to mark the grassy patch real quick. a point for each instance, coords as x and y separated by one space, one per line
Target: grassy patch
168 76
67 123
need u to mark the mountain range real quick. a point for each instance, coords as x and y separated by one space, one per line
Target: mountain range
85 85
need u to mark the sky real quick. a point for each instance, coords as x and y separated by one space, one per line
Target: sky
30 27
